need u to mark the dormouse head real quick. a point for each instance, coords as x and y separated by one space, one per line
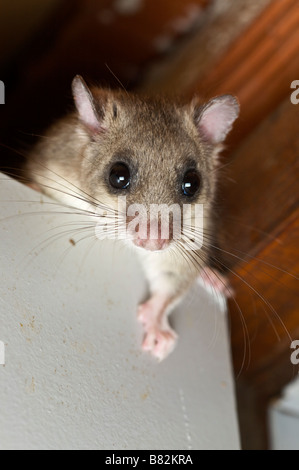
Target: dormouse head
151 162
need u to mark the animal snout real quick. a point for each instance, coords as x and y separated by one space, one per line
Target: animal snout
153 235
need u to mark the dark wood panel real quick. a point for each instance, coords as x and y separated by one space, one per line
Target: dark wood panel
258 65
262 353
183 71
267 296
102 33
94 38
255 49
260 184
261 228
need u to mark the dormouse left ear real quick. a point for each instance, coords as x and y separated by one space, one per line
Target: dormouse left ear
91 114
215 119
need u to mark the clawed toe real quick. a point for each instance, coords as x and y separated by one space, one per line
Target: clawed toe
159 339
160 343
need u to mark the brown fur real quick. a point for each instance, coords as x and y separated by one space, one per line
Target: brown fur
159 140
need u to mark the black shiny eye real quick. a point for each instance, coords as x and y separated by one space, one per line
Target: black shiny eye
119 176
191 183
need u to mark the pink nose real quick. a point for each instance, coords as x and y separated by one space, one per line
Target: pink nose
144 240
151 245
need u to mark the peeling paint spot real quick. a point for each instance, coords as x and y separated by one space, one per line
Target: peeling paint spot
144 396
30 328
30 385
110 303
79 347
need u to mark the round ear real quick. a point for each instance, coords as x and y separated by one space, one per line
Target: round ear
87 108
215 119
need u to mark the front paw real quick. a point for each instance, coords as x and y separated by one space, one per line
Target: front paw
160 343
145 313
159 338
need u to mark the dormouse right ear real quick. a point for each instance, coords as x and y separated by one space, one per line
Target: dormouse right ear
90 115
215 119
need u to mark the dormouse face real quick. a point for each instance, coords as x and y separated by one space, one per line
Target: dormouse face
152 162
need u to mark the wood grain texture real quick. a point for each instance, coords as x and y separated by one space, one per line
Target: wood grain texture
260 230
250 54
267 295
99 33
260 66
260 233
264 321
182 72
260 183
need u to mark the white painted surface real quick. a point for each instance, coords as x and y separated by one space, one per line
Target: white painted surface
74 374
284 419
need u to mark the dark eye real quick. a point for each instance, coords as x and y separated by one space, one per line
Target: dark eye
191 183
120 177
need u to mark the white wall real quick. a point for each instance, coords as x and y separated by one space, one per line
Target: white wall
284 419
74 374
